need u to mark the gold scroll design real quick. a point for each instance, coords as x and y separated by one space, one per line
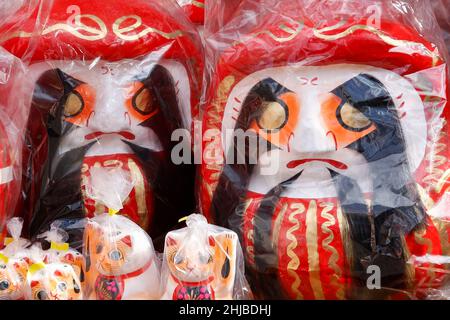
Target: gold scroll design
140 193
419 237
215 122
384 37
436 176
292 33
130 33
77 29
326 244
324 35
198 4
250 249
88 33
294 262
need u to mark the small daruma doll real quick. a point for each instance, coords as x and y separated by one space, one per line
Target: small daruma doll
348 172
201 263
107 87
120 262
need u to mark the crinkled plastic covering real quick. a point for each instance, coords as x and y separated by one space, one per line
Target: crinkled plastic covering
203 262
100 89
12 117
120 262
194 9
344 194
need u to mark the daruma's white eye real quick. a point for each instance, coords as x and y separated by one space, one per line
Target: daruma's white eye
142 101
74 105
273 116
353 119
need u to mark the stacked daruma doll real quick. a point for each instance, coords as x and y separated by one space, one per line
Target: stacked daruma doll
343 192
108 84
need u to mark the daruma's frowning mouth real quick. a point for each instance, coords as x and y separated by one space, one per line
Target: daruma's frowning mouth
337 164
127 135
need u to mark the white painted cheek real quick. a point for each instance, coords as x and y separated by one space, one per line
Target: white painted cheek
310 136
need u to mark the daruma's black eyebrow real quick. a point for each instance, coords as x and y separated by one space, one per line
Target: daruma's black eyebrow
363 90
269 89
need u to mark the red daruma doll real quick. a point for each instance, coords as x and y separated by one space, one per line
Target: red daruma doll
108 85
350 197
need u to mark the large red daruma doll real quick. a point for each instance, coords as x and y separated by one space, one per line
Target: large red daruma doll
108 84
354 179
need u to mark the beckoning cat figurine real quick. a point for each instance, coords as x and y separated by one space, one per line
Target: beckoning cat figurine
199 262
120 262
55 281
13 276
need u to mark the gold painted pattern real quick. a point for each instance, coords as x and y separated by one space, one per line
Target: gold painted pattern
291 32
345 237
124 32
277 225
85 32
198 4
419 237
250 233
78 29
139 187
322 34
215 122
294 263
313 251
435 175
418 47
326 244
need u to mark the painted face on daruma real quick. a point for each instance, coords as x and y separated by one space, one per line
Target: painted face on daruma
103 102
344 144
324 122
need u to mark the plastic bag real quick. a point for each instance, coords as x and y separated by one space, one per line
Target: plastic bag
13 275
108 84
443 16
120 262
51 280
195 10
326 146
203 262
12 113
60 250
10 146
14 263
15 244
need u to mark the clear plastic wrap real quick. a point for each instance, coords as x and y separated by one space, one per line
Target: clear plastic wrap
325 143
12 114
203 262
442 12
14 263
15 244
50 279
194 9
60 250
107 85
120 262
